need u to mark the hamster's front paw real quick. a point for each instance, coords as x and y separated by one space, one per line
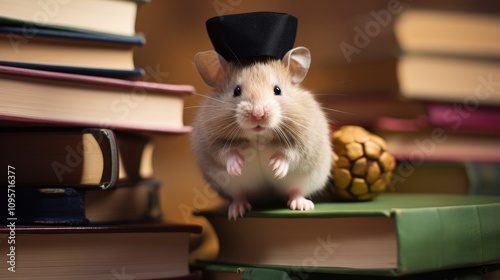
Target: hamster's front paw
279 164
237 208
298 202
234 163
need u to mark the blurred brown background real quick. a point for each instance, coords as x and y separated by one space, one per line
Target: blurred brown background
175 32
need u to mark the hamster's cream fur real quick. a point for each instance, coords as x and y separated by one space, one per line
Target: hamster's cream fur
260 133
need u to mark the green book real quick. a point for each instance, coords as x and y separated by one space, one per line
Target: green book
395 234
229 272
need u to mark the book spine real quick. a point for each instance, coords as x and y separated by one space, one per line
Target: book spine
97 72
453 237
110 145
137 39
483 178
51 206
64 158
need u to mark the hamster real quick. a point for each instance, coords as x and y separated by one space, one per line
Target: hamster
259 133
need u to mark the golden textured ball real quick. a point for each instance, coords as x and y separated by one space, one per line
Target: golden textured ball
362 165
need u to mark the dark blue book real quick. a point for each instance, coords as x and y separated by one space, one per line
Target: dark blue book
98 72
70 51
126 203
31 32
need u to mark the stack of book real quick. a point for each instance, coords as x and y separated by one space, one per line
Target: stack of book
450 64
92 37
426 80
77 142
442 234
409 236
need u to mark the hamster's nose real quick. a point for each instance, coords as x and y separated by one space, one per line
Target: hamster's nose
258 113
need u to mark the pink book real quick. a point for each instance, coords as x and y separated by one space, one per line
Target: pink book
34 97
459 116
418 141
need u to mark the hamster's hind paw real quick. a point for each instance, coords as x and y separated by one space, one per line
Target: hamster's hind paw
234 163
237 209
279 164
300 203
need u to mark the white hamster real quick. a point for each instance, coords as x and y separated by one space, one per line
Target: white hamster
260 132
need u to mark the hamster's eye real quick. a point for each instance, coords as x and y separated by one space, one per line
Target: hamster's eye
237 91
277 90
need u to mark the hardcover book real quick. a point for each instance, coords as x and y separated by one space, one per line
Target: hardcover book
139 251
457 177
93 157
448 31
395 234
65 157
126 203
481 119
416 140
228 272
33 96
449 79
103 16
67 51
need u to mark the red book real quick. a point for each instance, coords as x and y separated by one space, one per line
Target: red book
418 141
53 98
138 251
460 116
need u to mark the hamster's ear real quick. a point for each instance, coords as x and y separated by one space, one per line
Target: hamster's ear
297 61
211 67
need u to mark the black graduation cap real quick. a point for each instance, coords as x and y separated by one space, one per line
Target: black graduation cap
252 35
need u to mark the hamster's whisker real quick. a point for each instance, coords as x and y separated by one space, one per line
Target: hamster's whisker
230 127
329 94
332 120
234 55
339 111
235 132
201 106
296 132
225 117
288 127
229 130
215 123
225 125
283 138
293 119
212 98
